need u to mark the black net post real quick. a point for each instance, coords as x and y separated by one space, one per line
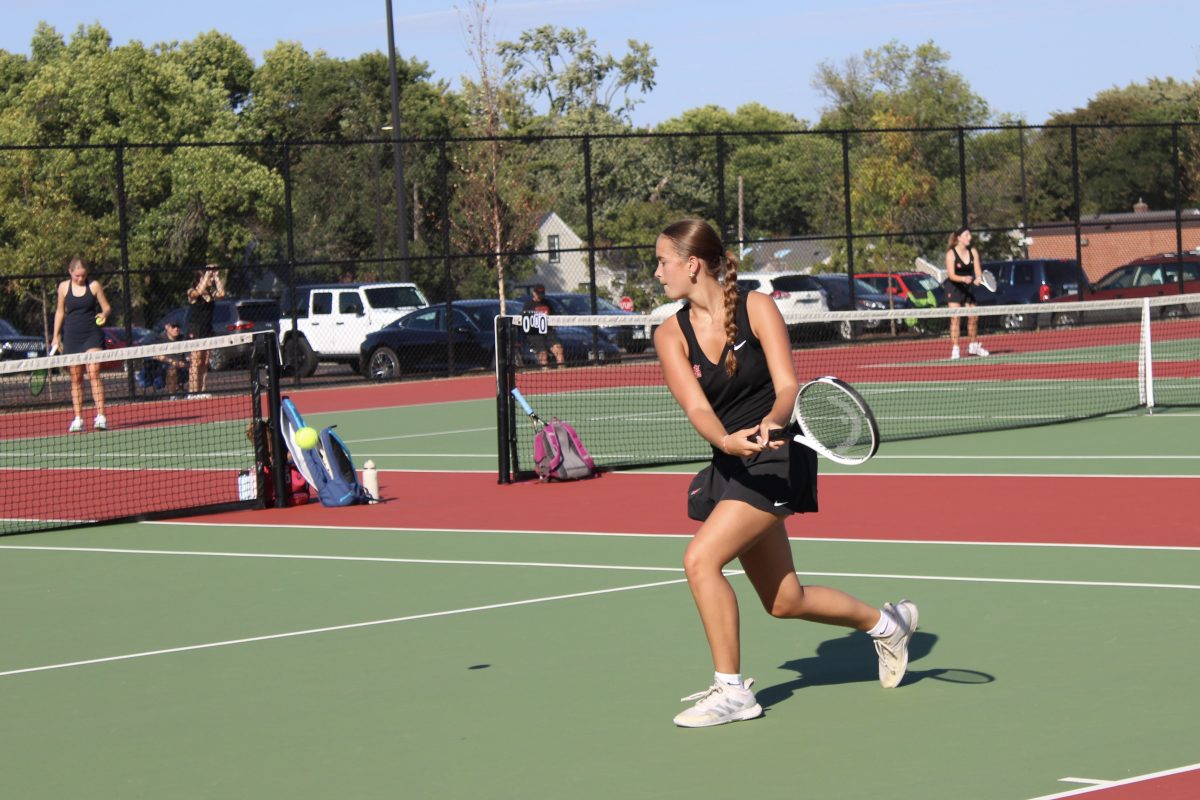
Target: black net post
503 387
279 466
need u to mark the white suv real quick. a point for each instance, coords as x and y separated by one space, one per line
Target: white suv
794 305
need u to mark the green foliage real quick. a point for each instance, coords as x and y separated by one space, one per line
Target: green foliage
563 66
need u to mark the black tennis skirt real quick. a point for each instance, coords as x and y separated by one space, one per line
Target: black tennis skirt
781 482
959 293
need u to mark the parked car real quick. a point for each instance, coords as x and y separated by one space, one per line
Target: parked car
836 287
1029 282
230 315
419 342
14 344
917 288
1149 276
631 338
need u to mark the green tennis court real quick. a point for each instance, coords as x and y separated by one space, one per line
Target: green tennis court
514 660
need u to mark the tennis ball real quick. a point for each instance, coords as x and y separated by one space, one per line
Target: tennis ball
306 437
99 319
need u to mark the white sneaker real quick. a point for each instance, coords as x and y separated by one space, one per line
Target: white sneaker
976 349
893 650
954 352
719 704
100 423
76 426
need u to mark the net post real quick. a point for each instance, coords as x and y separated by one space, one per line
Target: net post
1146 360
503 385
279 466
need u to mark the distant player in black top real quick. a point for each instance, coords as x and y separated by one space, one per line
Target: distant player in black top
207 289
963 274
546 343
78 328
727 360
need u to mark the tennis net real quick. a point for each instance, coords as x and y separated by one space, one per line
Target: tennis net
157 452
1049 363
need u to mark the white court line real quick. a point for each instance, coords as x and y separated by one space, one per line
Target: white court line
474 563
1123 782
330 628
502 531
492 429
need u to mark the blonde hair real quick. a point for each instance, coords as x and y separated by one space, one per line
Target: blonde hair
695 237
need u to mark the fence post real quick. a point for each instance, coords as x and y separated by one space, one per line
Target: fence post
962 177
589 208
721 216
448 285
849 214
290 255
123 237
1178 201
1077 211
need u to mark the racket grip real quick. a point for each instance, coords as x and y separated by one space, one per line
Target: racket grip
520 398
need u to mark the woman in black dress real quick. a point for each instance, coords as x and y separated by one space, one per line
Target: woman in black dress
78 321
963 274
207 289
727 360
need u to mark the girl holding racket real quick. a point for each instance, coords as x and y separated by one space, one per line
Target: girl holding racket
963 274
727 360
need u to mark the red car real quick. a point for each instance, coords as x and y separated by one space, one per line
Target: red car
913 286
1149 276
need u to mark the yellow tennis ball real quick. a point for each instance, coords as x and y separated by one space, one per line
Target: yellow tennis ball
306 437
99 319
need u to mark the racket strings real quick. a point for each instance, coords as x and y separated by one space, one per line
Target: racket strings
831 417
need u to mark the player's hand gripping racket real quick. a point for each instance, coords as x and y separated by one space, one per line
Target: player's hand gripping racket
986 277
37 378
538 424
834 420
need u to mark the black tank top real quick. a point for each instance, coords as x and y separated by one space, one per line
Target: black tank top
80 311
741 401
963 269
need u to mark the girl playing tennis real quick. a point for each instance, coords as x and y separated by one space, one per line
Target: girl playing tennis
727 360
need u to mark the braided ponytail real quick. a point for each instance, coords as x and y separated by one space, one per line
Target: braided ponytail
729 278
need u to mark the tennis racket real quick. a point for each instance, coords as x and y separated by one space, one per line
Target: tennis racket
37 378
538 423
834 420
987 279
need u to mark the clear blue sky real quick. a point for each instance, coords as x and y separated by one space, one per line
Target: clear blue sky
1025 57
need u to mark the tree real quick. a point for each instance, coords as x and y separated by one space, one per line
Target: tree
563 66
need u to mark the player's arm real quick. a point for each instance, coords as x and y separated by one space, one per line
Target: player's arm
60 313
681 381
98 290
771 331
978 265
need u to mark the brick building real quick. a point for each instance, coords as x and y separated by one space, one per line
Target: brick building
1113 240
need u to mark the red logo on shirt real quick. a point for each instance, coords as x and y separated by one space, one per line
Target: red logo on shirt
696 370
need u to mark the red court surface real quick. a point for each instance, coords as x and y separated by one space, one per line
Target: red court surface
1072 510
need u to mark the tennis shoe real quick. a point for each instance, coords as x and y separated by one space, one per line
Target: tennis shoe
100 423
954 353
893 649
76 426
718 704
976 349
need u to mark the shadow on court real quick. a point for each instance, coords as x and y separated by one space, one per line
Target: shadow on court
851 659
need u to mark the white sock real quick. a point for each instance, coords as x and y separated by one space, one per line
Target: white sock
728 679
885 627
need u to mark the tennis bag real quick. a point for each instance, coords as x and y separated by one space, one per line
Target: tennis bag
559 455
328 467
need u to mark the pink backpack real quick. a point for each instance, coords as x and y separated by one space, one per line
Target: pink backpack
559 455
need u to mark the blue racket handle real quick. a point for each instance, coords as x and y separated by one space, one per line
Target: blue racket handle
516 393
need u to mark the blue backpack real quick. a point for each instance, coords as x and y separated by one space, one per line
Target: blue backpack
328 467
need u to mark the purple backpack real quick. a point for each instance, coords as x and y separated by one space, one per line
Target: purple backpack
559 455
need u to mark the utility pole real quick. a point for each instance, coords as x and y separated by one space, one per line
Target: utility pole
397 160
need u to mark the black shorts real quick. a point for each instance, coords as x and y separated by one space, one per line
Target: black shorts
782 481
542 341
960 293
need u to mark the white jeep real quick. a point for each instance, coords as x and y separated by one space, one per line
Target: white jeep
331 320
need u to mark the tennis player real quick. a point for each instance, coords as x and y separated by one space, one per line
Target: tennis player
78 321
963 273
727 360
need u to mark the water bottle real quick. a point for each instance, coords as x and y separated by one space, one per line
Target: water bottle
370 480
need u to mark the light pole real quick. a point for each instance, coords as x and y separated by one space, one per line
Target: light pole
397 160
